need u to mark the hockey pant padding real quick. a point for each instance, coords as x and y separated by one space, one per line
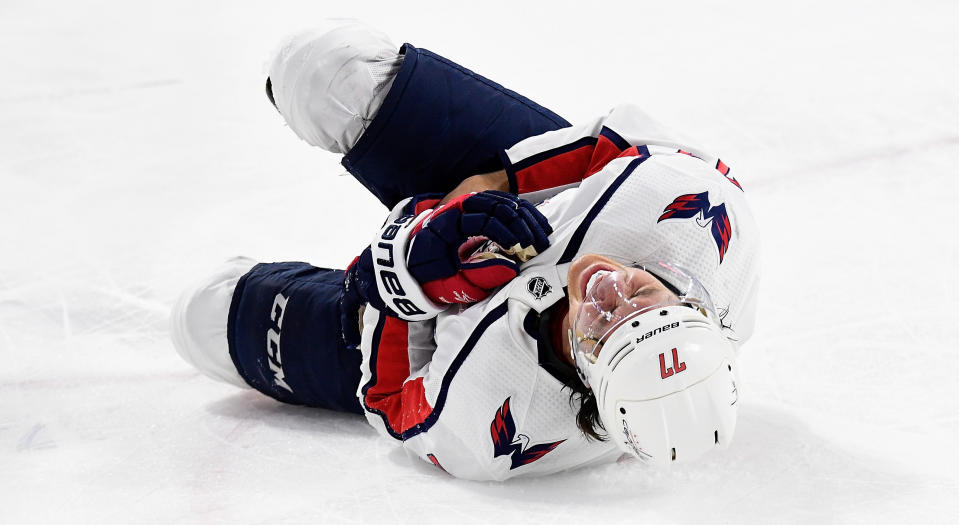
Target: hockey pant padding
285 336
439 124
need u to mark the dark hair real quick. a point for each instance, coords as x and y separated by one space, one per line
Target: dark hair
587 415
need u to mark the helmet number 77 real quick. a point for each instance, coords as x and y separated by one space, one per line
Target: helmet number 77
675 369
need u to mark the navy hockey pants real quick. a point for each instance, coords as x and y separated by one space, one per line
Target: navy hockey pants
285 339
439 124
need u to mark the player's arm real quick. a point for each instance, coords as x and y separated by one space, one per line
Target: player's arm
428 255
546 164
562 158
407 397
395 362
554 160
549 162
497 181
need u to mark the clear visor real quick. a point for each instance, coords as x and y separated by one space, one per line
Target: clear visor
613 298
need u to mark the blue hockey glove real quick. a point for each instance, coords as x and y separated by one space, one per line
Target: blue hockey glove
359 288
468 247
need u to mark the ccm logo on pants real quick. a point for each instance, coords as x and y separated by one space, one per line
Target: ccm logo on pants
273 341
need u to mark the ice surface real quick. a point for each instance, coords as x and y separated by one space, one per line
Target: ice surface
137 150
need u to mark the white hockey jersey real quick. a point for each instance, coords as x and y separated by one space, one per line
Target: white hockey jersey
474 390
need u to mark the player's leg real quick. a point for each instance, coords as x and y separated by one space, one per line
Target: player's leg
199 318
409 123
275 327
329 82
439 124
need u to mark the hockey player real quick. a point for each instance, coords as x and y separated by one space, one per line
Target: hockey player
490 336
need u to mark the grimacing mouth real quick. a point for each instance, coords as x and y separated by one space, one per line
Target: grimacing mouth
583 281
592 329
589 272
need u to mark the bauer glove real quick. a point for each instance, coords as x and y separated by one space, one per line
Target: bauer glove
360 282
463 250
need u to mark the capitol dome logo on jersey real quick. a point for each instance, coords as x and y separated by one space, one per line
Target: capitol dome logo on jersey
538 287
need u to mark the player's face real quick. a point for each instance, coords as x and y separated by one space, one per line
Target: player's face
602 292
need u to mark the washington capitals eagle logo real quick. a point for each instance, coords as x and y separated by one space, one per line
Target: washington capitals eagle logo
517 447
697 205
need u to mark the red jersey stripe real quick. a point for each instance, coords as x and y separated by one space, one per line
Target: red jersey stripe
605 151
559 170
402 403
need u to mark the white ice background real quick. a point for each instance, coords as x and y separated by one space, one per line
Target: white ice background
137 151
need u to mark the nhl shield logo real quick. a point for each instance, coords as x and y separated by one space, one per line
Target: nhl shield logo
538 287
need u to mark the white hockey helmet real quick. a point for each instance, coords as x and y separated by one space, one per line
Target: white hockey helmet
663 374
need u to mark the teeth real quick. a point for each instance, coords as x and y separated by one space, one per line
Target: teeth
595 279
